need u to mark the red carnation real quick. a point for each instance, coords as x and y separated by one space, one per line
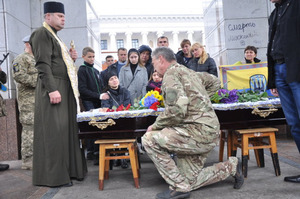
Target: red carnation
127 107
157 89
154 106
120 108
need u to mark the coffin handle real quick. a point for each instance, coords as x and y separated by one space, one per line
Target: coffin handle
102 125
263 113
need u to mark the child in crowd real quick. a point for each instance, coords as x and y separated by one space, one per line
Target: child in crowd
90 84
154 82
118 95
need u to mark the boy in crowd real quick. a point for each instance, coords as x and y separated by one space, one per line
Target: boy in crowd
90 87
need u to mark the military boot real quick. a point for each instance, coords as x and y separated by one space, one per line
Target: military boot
238 177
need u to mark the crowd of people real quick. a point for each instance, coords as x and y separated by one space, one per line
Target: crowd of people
46 75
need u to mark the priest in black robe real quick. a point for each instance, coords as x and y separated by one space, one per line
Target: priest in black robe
57 157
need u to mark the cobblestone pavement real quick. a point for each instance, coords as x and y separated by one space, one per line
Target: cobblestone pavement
261 182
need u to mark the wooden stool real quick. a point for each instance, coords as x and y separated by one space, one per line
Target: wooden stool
242 138
223 139
106 147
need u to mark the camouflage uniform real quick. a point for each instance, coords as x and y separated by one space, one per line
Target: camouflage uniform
188 127
25 74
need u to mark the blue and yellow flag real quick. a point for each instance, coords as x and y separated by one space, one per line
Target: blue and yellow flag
245 76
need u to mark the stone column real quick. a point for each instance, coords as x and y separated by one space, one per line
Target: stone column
128 40
159 33
176 44
190 36
113 45
144 38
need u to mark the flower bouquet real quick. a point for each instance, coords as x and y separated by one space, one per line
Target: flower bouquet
152 100
225 96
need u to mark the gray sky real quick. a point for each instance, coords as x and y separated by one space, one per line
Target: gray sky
148 7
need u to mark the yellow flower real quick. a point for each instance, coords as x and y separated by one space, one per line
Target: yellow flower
143 101
160 98
148 94
156 94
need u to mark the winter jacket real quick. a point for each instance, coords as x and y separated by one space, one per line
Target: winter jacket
208 66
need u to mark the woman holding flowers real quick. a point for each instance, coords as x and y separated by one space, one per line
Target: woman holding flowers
133 76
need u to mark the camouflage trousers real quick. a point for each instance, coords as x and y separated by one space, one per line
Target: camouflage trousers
27 143
188 174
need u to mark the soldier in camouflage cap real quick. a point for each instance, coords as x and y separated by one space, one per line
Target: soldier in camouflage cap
25 74
188 127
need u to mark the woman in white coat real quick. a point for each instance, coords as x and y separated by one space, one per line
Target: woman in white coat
133 76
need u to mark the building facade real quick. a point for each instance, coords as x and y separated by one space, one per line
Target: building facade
231 25
132 31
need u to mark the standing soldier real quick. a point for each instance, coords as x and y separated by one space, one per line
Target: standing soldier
25 74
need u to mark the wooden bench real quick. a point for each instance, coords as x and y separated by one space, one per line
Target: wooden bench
106 148
247 139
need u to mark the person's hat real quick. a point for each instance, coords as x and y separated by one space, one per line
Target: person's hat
26 39
143 48
133 50
110 74
52 7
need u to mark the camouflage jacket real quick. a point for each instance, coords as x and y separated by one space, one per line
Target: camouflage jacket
188 108
25 74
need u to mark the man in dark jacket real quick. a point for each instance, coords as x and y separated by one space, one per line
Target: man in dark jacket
115 67
284 63
163 41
